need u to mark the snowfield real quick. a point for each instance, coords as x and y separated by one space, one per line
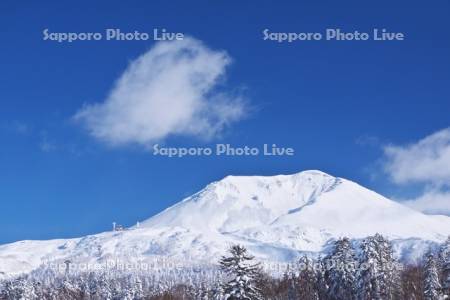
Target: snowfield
276 218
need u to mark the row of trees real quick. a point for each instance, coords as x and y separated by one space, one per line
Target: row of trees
365 270
372 273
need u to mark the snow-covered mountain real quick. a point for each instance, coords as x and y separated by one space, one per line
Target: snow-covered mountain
275 217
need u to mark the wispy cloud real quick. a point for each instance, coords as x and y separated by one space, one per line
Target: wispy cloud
21 127
367 140
170 90
432 201
18 127
45 145
425 162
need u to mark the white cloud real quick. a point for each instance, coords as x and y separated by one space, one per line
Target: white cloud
45 144
169 90
427 161
21 127
16 126
434 201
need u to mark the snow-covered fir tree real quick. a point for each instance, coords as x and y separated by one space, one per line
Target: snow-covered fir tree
218 292
20 288
378 276
133 289
444 264
390 281
368 277
69 290
243 271
104 287
432 286
322 284
340 273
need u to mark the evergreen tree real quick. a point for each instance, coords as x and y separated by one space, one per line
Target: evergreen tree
341 271
239 265
90 285
432 285
218 293
389 277
378 277
368 285
19 288
105 289
321 273
444 264
68 290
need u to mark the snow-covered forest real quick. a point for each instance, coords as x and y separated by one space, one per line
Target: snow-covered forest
366 271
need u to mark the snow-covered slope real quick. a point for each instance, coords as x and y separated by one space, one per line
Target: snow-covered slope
275 217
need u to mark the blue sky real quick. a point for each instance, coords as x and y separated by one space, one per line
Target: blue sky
363 110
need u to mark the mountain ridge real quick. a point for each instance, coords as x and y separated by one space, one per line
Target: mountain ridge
276 217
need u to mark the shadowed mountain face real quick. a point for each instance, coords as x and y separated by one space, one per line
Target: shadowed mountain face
275 217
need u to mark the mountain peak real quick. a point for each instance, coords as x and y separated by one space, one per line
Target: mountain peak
307 199
305 173
276 217
226 204
308 178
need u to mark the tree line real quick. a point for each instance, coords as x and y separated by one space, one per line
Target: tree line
364 271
